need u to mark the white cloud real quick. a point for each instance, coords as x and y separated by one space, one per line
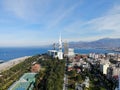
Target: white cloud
62 15
39 11
26 9
109 23
17 7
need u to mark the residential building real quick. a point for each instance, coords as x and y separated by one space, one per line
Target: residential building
71 52
103 68
35 68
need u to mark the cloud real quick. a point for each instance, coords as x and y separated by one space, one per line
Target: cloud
26 9
46 12
109 22
16 7
104 26
62 15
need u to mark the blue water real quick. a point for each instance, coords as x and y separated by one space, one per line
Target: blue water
12 53
87 51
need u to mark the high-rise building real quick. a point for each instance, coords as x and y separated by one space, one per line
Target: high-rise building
66 48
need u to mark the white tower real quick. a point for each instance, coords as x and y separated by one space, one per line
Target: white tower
60 53
60 43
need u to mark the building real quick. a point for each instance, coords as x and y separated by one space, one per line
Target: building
65 48
118 86
53 53
96 56
71 52
57 53
118 57
113 72
35 68
116 71
109 72
103 68
92 55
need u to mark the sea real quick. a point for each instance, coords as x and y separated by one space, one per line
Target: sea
7 54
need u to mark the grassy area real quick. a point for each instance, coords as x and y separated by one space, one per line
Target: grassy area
14 73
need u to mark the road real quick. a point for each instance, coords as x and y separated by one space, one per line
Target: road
65 84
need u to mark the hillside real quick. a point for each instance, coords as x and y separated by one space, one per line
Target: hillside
101 43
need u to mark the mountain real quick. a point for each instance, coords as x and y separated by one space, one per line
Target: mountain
101 43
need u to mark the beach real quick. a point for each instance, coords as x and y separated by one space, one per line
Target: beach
7 65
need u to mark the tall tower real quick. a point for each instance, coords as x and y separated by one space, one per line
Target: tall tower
60 53
60 43
66 48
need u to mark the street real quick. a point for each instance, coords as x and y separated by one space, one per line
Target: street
65 84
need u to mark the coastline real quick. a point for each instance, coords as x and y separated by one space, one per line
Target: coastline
7 65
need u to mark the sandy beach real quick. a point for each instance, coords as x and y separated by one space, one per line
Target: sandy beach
11 63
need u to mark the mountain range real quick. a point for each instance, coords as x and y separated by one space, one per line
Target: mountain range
107 43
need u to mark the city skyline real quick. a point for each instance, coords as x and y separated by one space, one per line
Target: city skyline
39 22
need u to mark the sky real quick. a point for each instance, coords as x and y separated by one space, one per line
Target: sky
40 22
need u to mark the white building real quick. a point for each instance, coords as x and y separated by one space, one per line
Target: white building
53 53
96 56
118 57
103 68
57 53
92 55
71 52
112 54
60 55
116 71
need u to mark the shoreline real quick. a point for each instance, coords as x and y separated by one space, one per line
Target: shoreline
7 65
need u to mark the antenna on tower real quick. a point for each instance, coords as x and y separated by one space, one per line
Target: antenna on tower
60 42
54 46
60 53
